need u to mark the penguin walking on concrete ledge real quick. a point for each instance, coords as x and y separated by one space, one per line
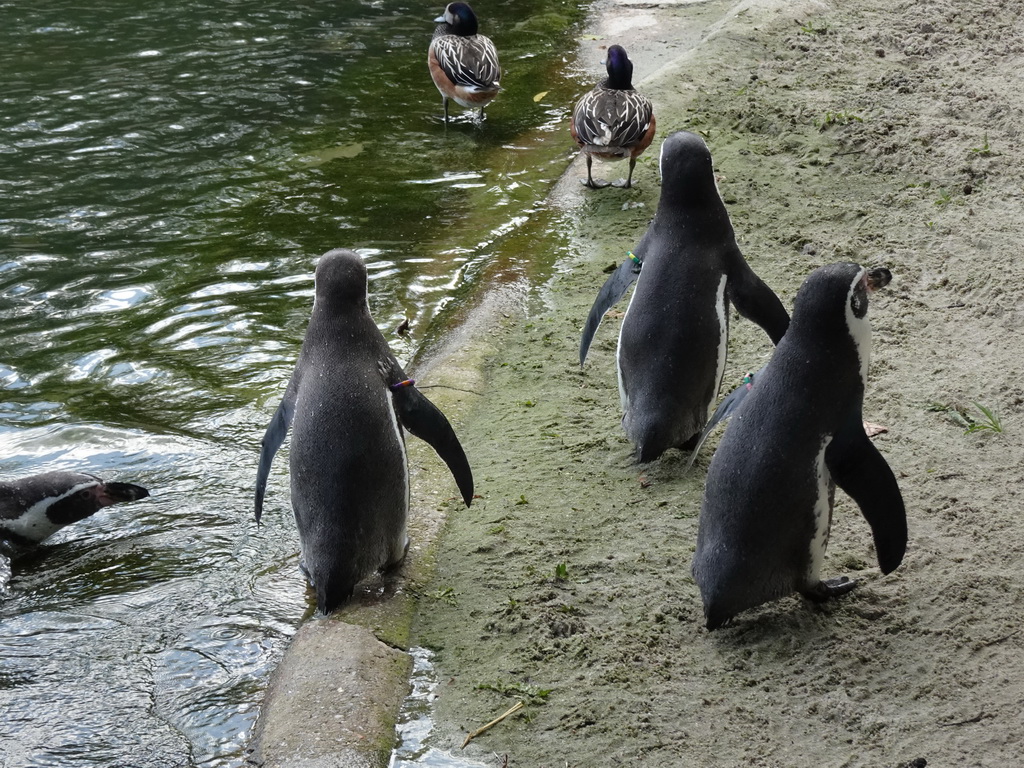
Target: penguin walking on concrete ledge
34 508
688 268
767 509
347 403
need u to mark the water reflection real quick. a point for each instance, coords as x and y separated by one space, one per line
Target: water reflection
416 721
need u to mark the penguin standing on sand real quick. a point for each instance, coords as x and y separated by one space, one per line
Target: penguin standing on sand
688 267
34 508
767 508
349 400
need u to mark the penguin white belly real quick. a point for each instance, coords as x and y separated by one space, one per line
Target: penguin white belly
623 394
723 342
822 515
401 536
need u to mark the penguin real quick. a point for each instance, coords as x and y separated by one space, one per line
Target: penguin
767 508
687 268
347 403
34 508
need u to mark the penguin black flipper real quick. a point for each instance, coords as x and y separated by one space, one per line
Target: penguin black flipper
425 420
756 301
276 432
862 472
725 410
614 288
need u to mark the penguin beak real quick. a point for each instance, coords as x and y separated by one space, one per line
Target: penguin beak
114 493
878 277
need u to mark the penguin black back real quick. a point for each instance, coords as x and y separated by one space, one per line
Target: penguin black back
347 404
765 519
672 344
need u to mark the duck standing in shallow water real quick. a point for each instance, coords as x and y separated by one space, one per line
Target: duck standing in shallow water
463 65
613 121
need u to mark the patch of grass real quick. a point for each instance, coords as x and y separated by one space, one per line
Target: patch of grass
561 572
441 594
810 28
945 197
838 118
522 500
533 693
989 422
985 150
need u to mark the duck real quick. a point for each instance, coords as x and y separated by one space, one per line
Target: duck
463 64
613 121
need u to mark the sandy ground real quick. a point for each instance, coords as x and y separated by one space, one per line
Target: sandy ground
882 133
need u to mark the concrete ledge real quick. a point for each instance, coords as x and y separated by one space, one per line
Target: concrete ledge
333 703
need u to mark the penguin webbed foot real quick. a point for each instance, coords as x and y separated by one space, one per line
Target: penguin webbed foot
826 589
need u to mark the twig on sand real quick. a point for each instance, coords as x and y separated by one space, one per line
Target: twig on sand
519 705
977 719
998 640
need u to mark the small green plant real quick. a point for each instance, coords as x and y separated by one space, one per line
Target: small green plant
838 118
561 571
522 500
945 197
533 693
985 150
991 421
809 28
444 595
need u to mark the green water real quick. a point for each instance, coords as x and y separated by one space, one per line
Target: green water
168 177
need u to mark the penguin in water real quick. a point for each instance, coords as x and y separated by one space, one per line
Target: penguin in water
767 508
347 403
34 508
688 268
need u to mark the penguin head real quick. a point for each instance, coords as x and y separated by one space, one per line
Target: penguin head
460 17
833 303
835 295
620 69
341 279
35 507
687 173
86 499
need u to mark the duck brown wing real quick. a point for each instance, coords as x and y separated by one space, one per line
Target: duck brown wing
469 62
